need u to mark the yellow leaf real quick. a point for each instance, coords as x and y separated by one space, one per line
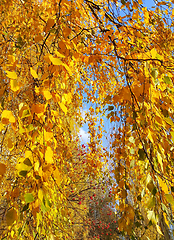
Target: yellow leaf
163 185
22 167
63 107
1 126
57 177
130 212
28 154
11 217
36 166
55 61
67 68
33 73
160 160
12 75
40 194
166 220
47 94
159 229
48 135
153 53
121 224
7 117
49 155
14 85
67 98
172 12
59 54
2 168
150 136
169 198
151 216
11 58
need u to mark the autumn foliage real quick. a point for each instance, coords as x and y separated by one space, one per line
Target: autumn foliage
118 57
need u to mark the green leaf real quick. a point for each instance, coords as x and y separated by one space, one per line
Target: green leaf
169 198
123 2
154 73
132 151
167 80
29 197
25 207
137 224
26 113
110 108
30 128
132 139
23 173
139 198
44 208
141 154
150 186
165 113
169 121
27 162
154 191
132 163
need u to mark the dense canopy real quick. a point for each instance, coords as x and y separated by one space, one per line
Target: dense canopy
118 57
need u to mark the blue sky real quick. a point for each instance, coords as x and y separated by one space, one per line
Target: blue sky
84 136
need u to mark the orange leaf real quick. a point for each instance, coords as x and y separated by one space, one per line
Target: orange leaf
11 217
2 168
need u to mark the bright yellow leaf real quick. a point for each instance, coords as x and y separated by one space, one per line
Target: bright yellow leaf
153 53
48 135
40 194
12 75
7 117
63 107
163 185
160 160
68 69
33 73
150 135
159 229
47 94
55 61
57 177
49 155
14 85
59 54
